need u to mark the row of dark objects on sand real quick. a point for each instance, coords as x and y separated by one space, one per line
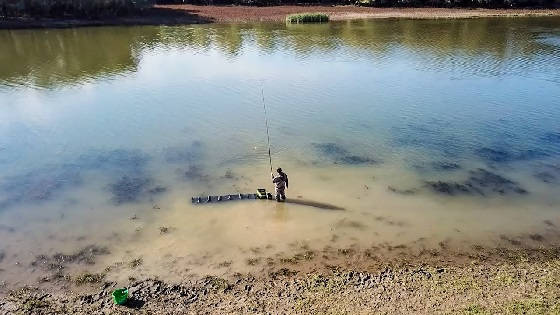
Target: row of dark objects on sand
209 199
263 195
232 197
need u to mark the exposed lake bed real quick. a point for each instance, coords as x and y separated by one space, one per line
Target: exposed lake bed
401 151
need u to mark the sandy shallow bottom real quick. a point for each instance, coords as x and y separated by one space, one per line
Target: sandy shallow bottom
414 253
175 240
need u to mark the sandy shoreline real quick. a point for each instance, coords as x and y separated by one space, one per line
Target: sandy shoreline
193 14
519 274
481 281
278 13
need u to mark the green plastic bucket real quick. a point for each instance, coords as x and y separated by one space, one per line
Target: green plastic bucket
120 296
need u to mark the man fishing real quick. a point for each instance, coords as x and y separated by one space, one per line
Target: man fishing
280 184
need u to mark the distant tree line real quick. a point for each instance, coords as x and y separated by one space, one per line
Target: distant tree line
71 8
384 3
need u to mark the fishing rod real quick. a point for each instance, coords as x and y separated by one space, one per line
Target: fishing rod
267 132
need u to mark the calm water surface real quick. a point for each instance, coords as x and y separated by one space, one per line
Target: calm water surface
424 131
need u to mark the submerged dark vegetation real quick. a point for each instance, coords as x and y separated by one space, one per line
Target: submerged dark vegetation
113 8
336 154
130 181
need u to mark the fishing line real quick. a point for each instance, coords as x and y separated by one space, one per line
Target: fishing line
267 132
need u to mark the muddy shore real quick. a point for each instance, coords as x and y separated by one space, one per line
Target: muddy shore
511 280
194 14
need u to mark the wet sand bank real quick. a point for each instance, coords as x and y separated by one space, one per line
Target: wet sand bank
513 280
278 13
195 14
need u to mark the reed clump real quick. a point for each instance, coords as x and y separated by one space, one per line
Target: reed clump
301 18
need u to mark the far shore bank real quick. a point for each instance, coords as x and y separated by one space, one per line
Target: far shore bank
195 14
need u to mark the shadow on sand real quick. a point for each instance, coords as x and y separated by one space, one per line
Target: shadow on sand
311 203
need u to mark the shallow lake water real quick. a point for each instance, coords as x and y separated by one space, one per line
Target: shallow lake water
425 132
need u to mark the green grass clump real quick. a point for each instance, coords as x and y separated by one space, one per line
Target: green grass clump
533 306
89 278
475 309
135 263
307 18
